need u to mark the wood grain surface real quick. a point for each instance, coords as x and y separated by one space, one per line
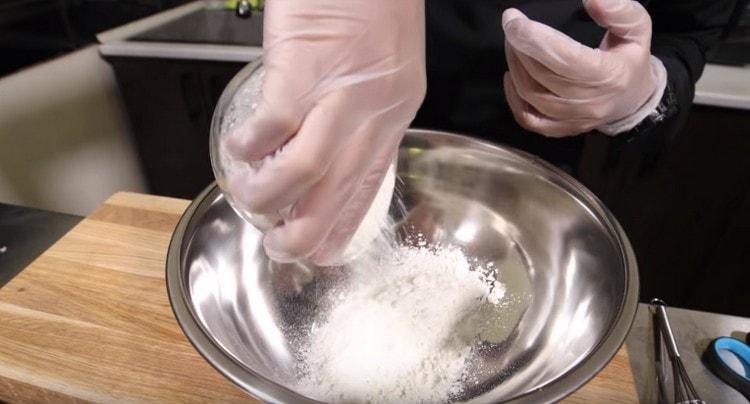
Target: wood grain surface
90 321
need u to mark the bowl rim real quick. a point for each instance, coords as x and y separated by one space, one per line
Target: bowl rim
264 389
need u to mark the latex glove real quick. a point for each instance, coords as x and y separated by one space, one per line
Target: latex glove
558 87
343 80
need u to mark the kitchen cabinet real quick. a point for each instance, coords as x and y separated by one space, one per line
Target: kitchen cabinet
172 68
170 103
32 31
686 210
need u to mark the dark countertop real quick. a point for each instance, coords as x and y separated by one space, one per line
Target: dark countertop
25 233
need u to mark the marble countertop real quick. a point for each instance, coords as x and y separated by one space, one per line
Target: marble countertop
693 331
724 86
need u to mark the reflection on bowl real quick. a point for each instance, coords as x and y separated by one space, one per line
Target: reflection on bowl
570 274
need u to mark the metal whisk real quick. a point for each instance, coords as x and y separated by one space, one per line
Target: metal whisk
684 391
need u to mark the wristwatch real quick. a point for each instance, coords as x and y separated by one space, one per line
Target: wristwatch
666 108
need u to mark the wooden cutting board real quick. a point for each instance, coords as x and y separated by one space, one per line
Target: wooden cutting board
89 320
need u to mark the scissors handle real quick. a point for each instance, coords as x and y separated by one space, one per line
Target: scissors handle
738 377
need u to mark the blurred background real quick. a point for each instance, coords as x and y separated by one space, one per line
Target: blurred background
65 139
100 96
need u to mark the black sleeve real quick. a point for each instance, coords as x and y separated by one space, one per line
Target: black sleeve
683 31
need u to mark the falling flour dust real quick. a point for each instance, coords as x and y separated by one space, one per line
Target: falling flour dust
403 329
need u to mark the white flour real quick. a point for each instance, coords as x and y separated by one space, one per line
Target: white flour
402 331
371 226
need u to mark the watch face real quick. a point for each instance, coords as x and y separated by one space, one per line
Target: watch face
667 106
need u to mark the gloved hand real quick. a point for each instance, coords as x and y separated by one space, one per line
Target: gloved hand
343 80
558 87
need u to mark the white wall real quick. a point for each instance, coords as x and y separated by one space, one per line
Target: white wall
65 143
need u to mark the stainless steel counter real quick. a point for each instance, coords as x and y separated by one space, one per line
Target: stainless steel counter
693 331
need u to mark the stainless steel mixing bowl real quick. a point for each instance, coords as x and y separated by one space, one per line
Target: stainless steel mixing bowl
569 269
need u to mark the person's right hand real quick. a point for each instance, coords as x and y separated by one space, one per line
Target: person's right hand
343 81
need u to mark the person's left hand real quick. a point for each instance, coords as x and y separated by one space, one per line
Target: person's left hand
558 87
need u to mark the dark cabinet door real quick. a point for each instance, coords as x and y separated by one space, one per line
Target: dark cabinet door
170 104
686 209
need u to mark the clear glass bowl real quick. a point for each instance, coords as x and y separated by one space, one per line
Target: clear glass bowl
236 104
